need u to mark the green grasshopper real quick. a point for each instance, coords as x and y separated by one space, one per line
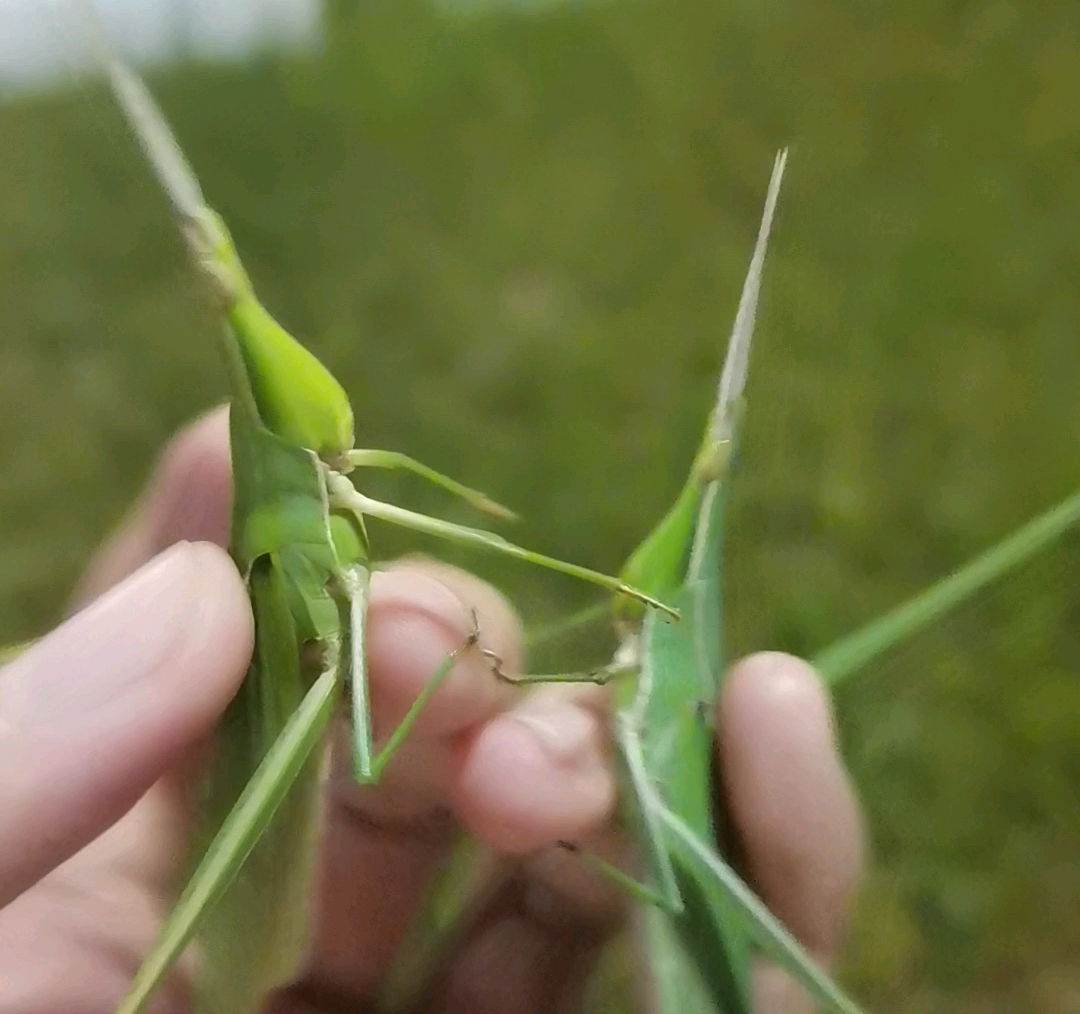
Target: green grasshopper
698 952
699 920
299 538
699 917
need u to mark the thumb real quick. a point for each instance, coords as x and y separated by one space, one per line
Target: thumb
93 714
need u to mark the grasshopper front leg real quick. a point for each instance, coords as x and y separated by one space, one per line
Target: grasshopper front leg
364 458
600 676
343 496
368 765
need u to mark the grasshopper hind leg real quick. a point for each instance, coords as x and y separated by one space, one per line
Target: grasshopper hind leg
353 601
600 676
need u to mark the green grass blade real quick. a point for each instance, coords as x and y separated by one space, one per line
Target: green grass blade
567 625
674 980
470 874
857 650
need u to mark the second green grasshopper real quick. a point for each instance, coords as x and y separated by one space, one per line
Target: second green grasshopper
700 922
700 919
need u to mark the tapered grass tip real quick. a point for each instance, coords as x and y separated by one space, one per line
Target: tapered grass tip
733 376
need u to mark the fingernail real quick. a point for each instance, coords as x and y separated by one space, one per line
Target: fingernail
107 649
565 733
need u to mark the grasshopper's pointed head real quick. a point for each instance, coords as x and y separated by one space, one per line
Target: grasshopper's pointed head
297 398
658 565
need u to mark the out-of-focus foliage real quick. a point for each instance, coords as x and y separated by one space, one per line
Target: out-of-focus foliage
518 241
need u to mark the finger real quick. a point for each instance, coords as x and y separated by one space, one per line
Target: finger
94 713
792 803
384 845
419 613
532 774
800 828
538 773
529 952
187 498
98 911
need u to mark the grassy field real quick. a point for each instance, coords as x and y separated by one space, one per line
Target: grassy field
519 240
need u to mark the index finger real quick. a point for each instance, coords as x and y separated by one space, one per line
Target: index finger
792 803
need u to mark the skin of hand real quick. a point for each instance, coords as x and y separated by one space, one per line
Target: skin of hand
103 722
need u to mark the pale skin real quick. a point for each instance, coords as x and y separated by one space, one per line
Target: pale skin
113 709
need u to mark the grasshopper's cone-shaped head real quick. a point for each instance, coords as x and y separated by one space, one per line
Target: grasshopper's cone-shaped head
297 397
658 565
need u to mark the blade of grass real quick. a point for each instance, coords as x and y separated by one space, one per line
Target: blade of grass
851 653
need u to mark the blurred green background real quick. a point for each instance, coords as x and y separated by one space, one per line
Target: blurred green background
518 239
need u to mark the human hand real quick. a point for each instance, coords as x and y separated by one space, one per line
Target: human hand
102 723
